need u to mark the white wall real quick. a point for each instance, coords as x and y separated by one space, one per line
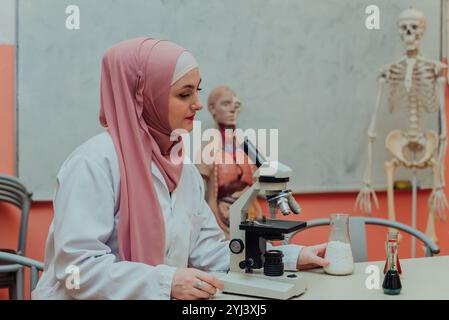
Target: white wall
307 68
7 21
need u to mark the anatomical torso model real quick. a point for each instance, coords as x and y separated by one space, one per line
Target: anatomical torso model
418 84
226 178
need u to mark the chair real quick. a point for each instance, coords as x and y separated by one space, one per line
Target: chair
15 261
357 233
11 275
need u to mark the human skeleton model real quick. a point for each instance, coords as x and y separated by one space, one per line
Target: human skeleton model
418 83
226 179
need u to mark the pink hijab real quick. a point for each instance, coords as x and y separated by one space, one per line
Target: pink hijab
135 82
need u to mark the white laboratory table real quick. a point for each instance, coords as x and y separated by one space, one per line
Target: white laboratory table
422 278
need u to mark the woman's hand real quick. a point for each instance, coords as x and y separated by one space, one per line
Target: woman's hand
312 257
193 284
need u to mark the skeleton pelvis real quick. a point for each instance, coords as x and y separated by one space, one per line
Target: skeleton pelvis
402 148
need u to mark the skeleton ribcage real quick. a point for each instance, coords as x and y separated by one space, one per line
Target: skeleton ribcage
423 89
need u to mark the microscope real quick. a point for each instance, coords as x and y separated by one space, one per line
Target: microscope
254 270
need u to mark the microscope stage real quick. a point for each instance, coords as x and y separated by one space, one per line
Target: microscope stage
272 226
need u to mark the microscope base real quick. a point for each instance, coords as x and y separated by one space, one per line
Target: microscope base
257 284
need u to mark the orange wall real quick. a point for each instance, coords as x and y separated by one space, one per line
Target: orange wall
313 205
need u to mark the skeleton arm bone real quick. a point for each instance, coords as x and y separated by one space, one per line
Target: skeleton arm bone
437 201
443 135
372 129
363 201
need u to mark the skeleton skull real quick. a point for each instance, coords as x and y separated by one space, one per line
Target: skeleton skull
412 25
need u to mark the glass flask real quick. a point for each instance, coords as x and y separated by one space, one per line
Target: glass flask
392 281
338 251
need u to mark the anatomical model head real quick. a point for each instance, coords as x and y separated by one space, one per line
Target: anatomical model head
224 106
412 25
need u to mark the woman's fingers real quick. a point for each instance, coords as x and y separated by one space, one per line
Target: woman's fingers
313 257
308 266
199 293
319 261
316 255
321 248
191 283
210 279
205 286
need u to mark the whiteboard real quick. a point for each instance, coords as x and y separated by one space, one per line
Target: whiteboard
306 68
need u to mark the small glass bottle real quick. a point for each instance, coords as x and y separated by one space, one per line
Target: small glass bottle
393 236
392 281
338 251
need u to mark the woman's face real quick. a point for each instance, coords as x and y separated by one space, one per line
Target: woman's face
184 102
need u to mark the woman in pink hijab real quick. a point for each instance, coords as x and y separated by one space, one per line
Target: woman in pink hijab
165 80
130 222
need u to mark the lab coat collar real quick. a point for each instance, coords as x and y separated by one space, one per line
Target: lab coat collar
157 173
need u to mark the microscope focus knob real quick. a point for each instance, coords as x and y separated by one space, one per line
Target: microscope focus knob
246 264
236 246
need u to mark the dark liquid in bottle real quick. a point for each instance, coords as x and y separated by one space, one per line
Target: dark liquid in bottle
398 265
392 283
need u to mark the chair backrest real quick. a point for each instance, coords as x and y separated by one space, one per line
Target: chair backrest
357 233
14 192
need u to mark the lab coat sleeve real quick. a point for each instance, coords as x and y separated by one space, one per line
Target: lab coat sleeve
84 221
291 253
210 250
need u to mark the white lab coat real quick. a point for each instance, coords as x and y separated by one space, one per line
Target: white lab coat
81 255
